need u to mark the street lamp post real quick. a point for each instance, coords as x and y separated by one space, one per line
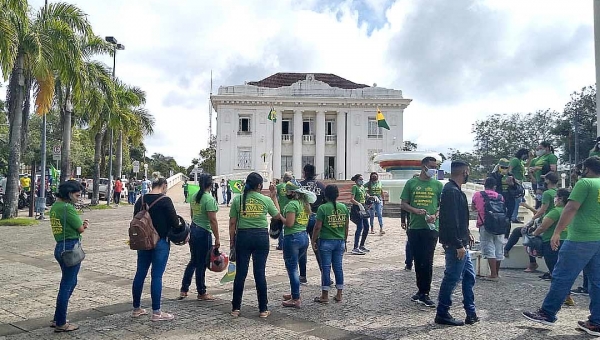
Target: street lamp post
116 46
196 173
146 170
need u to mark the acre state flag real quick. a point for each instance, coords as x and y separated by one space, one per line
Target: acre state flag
381 120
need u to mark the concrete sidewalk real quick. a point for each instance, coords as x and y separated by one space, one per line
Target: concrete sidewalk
376 299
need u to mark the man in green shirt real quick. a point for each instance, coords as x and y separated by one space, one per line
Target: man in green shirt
516 167
580 250
421 198
185 189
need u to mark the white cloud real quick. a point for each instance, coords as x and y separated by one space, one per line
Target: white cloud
171 48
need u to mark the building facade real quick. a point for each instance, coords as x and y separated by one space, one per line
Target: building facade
322 119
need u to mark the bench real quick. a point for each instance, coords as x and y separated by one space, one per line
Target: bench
80 205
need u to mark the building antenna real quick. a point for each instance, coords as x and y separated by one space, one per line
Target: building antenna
210 116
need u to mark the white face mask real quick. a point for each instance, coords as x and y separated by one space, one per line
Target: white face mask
540 153
431 172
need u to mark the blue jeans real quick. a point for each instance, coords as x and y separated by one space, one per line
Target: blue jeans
131 197
550 256
331 253
457 270
376 209
68 281
158 258
573 257
200 244
361 228
294 246
251 243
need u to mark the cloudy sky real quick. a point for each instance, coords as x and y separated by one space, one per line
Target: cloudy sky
459 60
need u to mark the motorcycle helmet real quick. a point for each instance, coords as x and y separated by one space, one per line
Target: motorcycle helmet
275 228
216 260
181 233
533 245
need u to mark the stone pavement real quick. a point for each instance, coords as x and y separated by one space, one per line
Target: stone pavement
376 299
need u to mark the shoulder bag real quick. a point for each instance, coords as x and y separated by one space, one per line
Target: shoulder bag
74 256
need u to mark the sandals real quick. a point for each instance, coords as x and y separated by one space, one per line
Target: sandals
182 296
68 327
265 314
319 300
53 323
162 317
206 297
336 299
292 303
235 313
531 269
287 297
138 312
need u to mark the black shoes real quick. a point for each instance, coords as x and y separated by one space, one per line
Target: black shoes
472 319
448 320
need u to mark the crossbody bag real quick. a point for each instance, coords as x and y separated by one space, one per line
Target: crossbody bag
74 256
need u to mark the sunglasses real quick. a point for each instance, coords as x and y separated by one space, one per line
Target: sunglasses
503 167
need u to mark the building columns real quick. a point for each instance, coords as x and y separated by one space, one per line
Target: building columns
276 161
297 151
320 144
340 159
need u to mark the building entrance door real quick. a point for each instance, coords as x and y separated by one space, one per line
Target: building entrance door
329 171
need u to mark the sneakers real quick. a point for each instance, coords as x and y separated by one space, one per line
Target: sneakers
426 301
448 320
547 276
408 268
303 280
162 317
471 319
539 316
589 328
357 251
364 249
580 291
569 301
415 297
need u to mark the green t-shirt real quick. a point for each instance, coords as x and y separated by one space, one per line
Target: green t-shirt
518 169
375 189
359 193
334 222
281 196
200 210
422 195
255 215
63 216
548 198
185 187
585 226
301 221
554 215
594 153
542 161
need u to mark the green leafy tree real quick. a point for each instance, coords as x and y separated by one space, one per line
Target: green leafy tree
208 157
409 146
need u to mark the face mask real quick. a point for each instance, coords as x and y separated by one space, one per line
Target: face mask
289 196
431 172
466 178
540 153
359 182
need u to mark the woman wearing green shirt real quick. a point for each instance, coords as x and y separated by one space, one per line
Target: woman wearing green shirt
329 238
295 239
203 210
249 235
67 228
546 230
375 189
358 199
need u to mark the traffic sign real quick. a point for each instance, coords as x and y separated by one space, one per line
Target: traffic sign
56 152
78 171
136 166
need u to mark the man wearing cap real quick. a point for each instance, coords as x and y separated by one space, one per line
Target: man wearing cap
505 181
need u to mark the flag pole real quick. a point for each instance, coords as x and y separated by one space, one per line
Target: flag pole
273 147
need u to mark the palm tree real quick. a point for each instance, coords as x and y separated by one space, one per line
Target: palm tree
38 46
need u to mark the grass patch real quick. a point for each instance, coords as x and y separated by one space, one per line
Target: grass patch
19 222
100 207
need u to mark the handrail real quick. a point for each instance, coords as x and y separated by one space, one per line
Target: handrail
173 180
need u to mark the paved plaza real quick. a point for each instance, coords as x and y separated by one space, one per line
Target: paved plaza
376 299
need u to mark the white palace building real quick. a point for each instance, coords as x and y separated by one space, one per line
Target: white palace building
322 119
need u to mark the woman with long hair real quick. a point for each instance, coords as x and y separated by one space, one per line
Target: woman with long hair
203 209
374 189
358 200
249 236
329 238
295 239
164 217
67 228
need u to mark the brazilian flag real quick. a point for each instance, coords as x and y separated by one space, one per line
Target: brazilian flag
237 186
230 275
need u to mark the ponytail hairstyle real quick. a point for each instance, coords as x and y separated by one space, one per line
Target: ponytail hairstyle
302 199
547 145
67 188
254 181
205 181
331 194
158 182
355 177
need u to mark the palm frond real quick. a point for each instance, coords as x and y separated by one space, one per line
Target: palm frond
44 93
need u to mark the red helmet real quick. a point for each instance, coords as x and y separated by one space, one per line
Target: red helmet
217 261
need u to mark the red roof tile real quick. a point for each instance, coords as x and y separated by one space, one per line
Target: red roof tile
287 79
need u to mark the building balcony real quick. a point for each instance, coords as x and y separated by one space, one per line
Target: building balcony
244 133
330 139
370 136
308 139
287 138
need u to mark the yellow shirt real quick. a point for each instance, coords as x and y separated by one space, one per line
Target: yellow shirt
25 183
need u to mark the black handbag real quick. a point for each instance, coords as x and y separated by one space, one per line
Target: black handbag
74 256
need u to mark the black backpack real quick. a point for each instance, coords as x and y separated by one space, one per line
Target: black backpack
495 221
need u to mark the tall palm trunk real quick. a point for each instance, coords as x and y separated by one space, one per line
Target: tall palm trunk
97 156
103 169
120 154
26 110
65 152
16 95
